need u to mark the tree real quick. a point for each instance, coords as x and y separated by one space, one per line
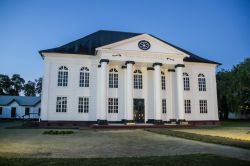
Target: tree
17 84
5 85
39 85
30 89
234 89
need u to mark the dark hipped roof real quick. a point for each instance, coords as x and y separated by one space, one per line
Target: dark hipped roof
21 100
89 43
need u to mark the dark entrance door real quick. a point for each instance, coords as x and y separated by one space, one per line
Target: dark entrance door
139 115
13 112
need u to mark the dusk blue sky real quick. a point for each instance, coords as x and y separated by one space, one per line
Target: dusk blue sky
215 29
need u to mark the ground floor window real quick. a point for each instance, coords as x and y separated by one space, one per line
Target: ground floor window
187 106
164 106
27 111
113 105
203 106
39 111
1 110
61 104
83 105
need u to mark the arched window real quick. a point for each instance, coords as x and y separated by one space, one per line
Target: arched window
137 79
84 77
202 82
62 76
186 82
113 78
163 81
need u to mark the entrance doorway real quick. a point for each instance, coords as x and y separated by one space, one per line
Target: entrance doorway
139 113
13 112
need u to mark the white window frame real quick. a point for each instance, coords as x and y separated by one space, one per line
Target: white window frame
61 104
83 104
84 77
113 105
138 79
62 77
203 106
202 82
164 106
186 82
113 78
187 106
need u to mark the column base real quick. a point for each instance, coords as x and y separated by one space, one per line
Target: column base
102 122
172 121
182 121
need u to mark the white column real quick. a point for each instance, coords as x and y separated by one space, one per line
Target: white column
157 91
129 91
103 89
179 92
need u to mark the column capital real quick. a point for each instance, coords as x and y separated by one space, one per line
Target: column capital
132 62
171 70
157 64
179 65
104 60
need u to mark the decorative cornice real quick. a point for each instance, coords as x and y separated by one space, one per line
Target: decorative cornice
132 62
150 68
157 63
179 65
124 67
171 70
104 60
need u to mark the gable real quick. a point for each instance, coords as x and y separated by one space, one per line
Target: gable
132 44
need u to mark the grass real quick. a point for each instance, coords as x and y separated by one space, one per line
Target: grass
203 138
235 123
182 160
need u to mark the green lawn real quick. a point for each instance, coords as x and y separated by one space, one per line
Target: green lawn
233 133
183 160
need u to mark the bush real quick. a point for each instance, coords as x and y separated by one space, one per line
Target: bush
56 132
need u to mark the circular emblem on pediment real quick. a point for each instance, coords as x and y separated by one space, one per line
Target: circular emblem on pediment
144 45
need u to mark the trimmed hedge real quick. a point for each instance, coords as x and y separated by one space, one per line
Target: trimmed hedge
57 132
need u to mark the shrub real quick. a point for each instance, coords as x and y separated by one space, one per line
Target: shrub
57 132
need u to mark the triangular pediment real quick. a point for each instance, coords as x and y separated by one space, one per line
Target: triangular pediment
136 44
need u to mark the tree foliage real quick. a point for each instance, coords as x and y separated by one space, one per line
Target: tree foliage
30 89
14 85
234 89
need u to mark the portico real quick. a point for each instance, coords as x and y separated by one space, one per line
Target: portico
157 68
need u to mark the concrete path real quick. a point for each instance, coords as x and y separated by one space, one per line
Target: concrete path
105 143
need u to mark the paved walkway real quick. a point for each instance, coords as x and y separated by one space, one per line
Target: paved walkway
105 143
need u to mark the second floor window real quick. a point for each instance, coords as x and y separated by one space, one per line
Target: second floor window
186 82
202 82
62 76
113 78
163 81
84 77
137 79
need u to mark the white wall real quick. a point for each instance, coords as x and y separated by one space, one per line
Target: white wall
53 61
